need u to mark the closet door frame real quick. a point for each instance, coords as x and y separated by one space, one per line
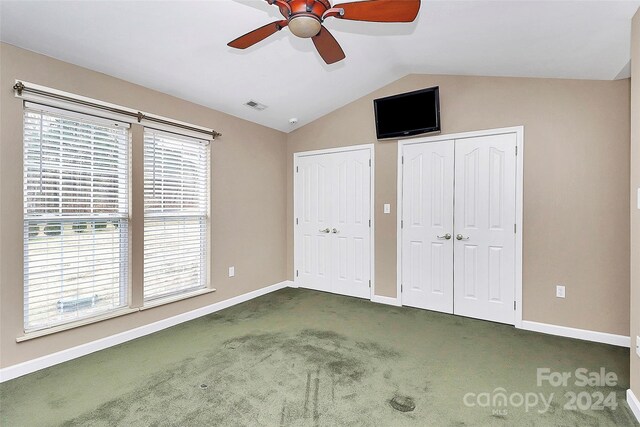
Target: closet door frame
519 132
371 149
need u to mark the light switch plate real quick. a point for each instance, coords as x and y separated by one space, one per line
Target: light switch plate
232 271
560 291
387 208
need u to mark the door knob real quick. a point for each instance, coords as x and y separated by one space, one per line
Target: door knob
335 231
326 230
446 237
461 237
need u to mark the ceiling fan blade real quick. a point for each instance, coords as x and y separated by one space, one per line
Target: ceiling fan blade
380 10
257 35
328 47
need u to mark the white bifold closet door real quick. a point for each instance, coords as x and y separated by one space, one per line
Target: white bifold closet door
458 236
333 229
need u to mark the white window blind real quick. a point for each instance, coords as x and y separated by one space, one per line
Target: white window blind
76 172
176 176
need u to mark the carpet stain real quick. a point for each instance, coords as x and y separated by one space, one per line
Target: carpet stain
327 362
402 403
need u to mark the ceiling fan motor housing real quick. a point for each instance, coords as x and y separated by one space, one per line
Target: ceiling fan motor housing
305 19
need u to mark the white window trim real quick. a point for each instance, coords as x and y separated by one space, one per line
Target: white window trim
179 297
76 324
68 110
162 300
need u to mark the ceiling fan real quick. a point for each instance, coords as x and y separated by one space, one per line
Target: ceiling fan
305 17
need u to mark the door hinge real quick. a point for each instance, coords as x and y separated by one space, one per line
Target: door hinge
296 221
297 170
297 273
516 150
403 160
369 223
514 305
369 162
402 223
401 288
515 228
369 282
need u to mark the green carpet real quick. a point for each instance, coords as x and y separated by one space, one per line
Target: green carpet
304 358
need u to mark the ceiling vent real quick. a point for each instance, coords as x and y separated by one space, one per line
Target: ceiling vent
255 105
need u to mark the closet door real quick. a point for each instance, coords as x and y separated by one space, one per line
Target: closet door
350 226
332 235
485 209
314 214
427 211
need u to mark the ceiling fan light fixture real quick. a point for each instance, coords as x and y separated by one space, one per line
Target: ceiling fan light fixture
305 26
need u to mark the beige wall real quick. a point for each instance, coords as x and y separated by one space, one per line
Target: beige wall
576 185
576 229
247 195
635 213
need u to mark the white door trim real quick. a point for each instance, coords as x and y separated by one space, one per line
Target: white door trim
372 152
519 131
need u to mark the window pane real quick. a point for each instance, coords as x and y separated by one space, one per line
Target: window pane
176 176
73 269
75 217
174 256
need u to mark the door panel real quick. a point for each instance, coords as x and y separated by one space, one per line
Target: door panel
333 192
313 207
427 260
485 190
352 185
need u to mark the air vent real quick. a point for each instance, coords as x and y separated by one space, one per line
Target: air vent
255 105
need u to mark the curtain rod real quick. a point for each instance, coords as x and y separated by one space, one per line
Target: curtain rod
19 87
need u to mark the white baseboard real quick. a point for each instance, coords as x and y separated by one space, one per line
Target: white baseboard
634 404
386 300
34 365
581 334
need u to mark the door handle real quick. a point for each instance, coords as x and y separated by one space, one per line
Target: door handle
335 231
326 230
446 237
461 237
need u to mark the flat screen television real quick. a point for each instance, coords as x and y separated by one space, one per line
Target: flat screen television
408 114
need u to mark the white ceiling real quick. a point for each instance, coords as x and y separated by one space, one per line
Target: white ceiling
179 47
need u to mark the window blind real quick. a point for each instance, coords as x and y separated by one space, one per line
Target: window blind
176 176
76 171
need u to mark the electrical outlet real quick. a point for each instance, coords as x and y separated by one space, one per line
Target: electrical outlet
638 346
232 271
387 208
560 291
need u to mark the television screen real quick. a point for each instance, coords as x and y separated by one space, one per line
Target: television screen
408 114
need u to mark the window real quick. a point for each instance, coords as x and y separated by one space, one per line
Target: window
76 173
176 176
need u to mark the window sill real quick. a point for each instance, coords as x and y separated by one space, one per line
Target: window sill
110 315
71 325
180 297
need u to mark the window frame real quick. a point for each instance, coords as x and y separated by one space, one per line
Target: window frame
125 282
206 287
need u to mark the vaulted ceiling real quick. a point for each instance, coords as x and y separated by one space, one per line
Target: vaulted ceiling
179 47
